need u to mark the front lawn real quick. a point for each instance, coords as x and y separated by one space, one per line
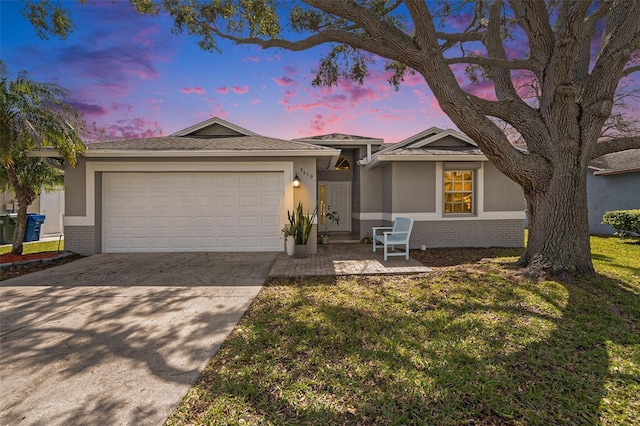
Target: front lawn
36 247
471 344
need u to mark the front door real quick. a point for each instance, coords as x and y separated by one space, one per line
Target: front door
334 196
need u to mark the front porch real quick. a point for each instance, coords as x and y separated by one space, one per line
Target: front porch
344 258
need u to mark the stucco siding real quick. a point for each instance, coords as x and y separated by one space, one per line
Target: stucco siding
370 192
501 194
413 187
387 188
612 192
75 195
468 233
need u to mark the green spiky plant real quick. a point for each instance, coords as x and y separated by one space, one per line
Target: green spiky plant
300 224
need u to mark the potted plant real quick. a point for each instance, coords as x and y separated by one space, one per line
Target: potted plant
300 225
330 218
289 241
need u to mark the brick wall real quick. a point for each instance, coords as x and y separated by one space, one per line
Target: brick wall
468 233
81 240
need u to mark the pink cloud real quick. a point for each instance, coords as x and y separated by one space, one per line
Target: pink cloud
253 59
142 37
222 90
199 90
289 70
135 128
284 81
241 90
318 123
255 102
155 103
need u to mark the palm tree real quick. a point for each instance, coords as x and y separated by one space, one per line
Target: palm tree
34 115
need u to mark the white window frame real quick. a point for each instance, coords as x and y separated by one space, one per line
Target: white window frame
473 193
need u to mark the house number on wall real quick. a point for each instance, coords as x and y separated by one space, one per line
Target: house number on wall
303 172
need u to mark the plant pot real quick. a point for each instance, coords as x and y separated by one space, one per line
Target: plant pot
324 239
290 245
300 251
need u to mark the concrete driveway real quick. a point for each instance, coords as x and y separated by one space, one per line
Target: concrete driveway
117 339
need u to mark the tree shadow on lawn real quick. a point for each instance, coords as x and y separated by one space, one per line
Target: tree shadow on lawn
457 348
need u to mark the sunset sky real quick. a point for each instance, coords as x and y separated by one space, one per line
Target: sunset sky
134 78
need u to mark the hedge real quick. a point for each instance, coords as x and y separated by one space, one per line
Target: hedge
625 222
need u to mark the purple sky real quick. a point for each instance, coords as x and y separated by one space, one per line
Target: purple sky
134 78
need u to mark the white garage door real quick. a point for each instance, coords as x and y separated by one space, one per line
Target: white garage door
155 212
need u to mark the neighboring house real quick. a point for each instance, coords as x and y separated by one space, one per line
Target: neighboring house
613 184
218 187
49 203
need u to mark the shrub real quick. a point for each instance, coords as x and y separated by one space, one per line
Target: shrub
625 222
300 224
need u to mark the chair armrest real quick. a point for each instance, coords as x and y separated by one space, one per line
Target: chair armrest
378 228
382 227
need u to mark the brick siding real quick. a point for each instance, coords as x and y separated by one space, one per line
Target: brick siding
81 240
458 233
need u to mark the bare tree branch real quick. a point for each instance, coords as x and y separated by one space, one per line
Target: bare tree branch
534 19
583 58
522 64
630 70
615 145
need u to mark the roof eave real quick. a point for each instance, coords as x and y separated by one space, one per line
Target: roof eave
211 153
382 159
605 172
354 142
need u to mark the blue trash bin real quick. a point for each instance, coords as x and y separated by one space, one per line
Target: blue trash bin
34 223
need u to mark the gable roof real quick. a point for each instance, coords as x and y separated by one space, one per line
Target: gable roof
212 123
616 163
411 139
211 138
433 144
341 139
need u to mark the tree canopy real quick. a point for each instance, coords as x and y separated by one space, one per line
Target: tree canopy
34 115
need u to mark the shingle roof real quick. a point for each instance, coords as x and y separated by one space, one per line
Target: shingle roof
337 136
182 143
619 162
426 150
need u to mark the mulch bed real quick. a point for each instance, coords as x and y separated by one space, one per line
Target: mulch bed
16 271
12 258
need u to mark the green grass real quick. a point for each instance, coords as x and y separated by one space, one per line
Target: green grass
473 344
36 247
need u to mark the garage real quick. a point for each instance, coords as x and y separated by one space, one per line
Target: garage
192 211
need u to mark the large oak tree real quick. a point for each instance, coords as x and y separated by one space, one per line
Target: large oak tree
573 54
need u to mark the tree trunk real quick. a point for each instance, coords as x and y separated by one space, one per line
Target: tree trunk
558 246
21 227
25 197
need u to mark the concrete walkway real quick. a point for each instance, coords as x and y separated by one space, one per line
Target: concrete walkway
345 259
117 339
